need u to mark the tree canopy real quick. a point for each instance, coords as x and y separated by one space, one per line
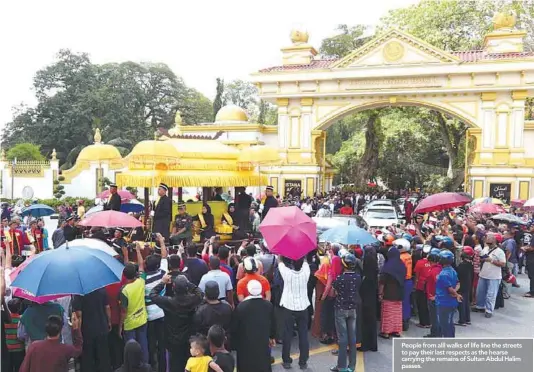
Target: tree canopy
24 152
127 101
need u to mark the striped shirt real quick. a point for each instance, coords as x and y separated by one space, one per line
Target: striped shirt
151 280
13 343
295 293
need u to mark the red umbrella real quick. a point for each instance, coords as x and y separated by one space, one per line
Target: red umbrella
289 232
110 219
443 200
125 195
487 208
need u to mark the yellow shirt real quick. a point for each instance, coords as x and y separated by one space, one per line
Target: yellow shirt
198 364
81 211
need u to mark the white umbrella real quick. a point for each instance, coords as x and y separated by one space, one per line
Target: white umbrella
529 203
91 244
98 208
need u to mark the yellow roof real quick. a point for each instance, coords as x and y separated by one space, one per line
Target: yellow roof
203 149
259 155
99 152
188 178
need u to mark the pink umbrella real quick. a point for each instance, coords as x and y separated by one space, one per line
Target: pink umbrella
125 195
441 201
19 292
110 219
289 232
487 208
22 293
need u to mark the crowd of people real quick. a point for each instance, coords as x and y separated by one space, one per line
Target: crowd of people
184 306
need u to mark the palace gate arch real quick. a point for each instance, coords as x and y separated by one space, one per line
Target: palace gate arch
485 88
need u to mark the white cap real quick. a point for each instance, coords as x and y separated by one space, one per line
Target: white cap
254 288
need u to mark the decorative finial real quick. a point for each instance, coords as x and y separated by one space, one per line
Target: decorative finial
178 118
54 154
3 155
299 37
503 21
175 131
98 136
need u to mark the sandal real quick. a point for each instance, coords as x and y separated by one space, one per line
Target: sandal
528 294
384 336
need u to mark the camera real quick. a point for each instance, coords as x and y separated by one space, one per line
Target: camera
153 236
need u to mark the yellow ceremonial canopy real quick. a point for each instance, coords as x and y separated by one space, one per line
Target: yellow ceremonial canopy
202 163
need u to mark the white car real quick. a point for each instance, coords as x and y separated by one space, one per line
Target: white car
381 216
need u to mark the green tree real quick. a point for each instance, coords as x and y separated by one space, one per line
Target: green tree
24 152
448 25
218 101
347 40
243 94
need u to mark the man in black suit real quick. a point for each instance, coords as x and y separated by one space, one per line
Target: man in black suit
114 200
162 212
70 231
270 202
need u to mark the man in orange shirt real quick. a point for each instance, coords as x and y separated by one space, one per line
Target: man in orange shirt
406 258
251 273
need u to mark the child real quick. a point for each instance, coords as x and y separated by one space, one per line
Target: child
430 290
15 346
199 362
447 298
221 356
466 273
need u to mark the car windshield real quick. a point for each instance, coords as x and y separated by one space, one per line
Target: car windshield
380 214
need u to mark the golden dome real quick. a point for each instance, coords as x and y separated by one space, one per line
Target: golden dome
231 113
99 151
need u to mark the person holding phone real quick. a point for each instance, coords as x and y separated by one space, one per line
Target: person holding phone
493 260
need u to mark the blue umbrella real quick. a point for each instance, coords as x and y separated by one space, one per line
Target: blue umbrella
38 210
133 206
73 270
350 234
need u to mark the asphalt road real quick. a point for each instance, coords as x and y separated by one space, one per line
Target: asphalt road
516 319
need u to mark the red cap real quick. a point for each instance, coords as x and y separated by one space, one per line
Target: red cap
468 251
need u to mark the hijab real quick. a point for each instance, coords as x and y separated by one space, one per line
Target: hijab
208 209
232 214
394 266
370 263
133 359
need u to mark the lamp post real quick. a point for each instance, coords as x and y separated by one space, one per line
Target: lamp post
13 164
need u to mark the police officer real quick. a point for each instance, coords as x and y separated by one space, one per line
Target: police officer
269 202
119 243
182 228
114 200
162 212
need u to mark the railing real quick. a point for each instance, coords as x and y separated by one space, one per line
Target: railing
29 168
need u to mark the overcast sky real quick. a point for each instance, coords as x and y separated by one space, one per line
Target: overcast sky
199 40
